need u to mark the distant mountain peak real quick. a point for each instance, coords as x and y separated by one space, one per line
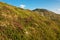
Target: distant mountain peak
42 10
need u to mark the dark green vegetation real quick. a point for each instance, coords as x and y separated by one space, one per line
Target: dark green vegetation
21 24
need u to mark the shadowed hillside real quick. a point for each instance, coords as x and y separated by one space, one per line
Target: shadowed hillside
21 24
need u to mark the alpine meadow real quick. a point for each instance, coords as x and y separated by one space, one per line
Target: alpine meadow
23 24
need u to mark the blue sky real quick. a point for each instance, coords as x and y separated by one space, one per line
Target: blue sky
53 5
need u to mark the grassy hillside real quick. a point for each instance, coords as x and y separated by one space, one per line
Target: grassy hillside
21 24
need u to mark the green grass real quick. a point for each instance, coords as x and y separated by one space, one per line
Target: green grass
23 24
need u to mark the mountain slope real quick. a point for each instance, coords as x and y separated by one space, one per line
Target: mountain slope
20 24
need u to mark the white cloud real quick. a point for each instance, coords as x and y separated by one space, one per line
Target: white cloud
22 6
57 11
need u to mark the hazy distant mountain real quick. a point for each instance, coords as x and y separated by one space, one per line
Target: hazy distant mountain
21 24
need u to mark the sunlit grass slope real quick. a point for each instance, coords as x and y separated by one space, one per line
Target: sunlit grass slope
21 24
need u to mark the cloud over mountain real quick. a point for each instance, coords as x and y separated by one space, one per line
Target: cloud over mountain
22 6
